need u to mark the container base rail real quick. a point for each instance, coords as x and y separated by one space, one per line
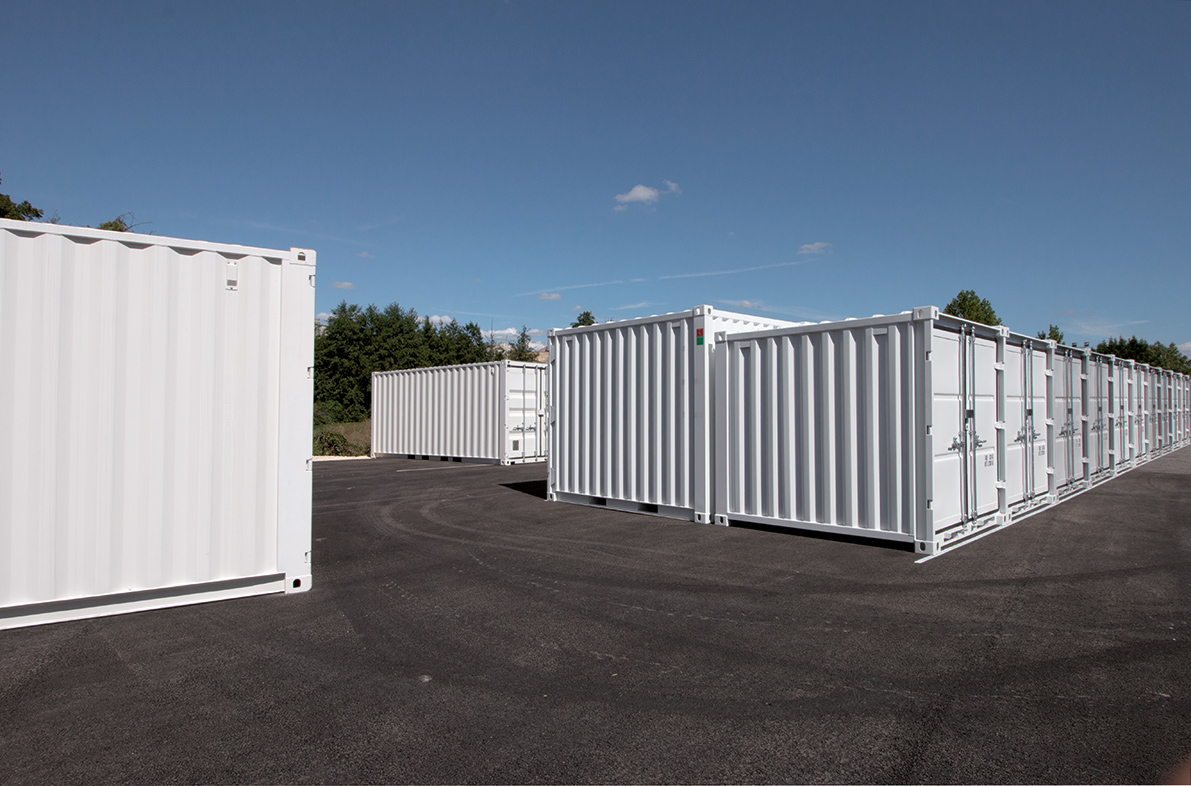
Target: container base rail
460 459
947 539
630 506
149 600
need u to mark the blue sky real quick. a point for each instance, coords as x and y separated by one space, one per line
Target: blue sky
511 163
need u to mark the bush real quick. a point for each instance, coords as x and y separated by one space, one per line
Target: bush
328 412
332 443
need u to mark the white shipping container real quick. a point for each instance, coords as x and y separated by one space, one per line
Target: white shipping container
155 402
483 412
631 409
922 428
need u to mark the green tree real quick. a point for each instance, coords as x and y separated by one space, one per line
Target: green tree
121 223
460 344
522 351
22 212
968 305
342 377
1163 356
495 350
1169 356
358 341
584 320
1054 334
26 212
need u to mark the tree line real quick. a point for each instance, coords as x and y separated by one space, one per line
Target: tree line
24 211
968 305
357 341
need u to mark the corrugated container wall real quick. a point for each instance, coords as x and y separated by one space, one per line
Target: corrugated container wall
924 428
631 409
155 402
488 412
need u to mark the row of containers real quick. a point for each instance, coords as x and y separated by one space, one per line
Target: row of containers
919 427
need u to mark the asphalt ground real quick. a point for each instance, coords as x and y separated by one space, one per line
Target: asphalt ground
462 629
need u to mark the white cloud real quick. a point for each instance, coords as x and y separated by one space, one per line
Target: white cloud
731 272
639 193
815 248
549 296
366 255
632 306
540 292
577 308
1094 326
441 320
644 195
322 316
1185 349
344 285
506 337
797 313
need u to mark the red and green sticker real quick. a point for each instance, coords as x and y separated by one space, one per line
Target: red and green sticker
699 337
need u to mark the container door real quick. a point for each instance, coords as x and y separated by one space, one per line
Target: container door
1062 417
1097 379
1139 409
948 425
1068 456
1036 422
524 426
1017 415
1124 409
1025 409
1142 402
1167 409
965 412
983 370
1025 391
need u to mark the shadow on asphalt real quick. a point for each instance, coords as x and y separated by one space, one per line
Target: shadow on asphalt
832 536
534 488
537 488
